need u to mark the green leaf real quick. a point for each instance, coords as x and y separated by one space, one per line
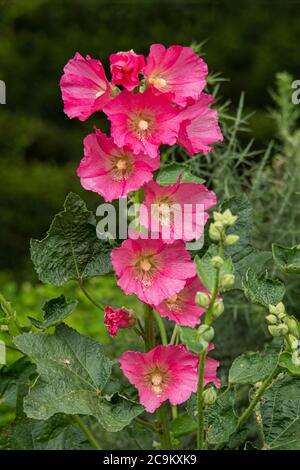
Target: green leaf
280 412
207 272
285 361
250 368
57 433
287 259
192 340
170 174
183 425
243 254
220 419
55 311
71 249
260 289
73 371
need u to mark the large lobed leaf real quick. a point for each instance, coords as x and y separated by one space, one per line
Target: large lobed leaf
73 371
260 289
54 312
71 249
287 259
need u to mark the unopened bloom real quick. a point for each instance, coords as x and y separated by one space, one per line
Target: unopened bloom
176 71
151 269
142 121
112 171
85 88
118 318
165 373
182 307
178 211
199 127
125 68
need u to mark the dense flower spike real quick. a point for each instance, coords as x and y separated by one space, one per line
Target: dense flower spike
112 171
151 269
176 71
143 121
85 88
118 318
177 210
199 126
125 68
181 307
165 373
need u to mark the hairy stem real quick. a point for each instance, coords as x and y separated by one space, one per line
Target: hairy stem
162 418
86 431
162 329
88 296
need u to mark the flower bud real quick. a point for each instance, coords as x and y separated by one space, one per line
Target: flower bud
228 218
209 396
277 309
206 332
272 319
292 326
217 262
231 239
227 281
294 342
202 299
296 358
218 217
218 309
214 232
278 330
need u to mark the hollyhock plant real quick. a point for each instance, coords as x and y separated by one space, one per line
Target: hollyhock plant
176 71
125 68
118 318
113 171
178 210
181 307
164 373
199 126
85 88
151 269
142 121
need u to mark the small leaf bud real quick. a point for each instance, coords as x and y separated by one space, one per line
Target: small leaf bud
214 233
277 309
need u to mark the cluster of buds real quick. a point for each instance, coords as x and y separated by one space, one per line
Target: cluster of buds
282 324
217 229
202 300
205 334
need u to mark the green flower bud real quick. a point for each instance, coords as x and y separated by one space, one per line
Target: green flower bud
292 326
206 332
228 218
202 299
227 281
277 309
294 343
278 330
214 233
209 396
218 309
231 240
296 358
218 217
272 319
217 262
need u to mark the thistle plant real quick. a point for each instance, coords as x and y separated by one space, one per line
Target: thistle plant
170 384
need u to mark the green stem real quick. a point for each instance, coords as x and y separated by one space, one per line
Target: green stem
174 412
149 330
174 335
162 418
90 437
85 292
202 359
161 327
136 210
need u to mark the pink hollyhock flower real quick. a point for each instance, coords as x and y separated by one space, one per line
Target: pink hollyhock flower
125 68
111 171
177 71
151 269
165 373
199 126
182 307
84 87
177 211
142 121
118 318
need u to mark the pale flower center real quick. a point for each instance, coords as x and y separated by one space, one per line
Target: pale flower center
157 378
145 265
122 164
121 167
159 82
143 125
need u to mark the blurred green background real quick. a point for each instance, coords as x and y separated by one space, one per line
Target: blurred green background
246 42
